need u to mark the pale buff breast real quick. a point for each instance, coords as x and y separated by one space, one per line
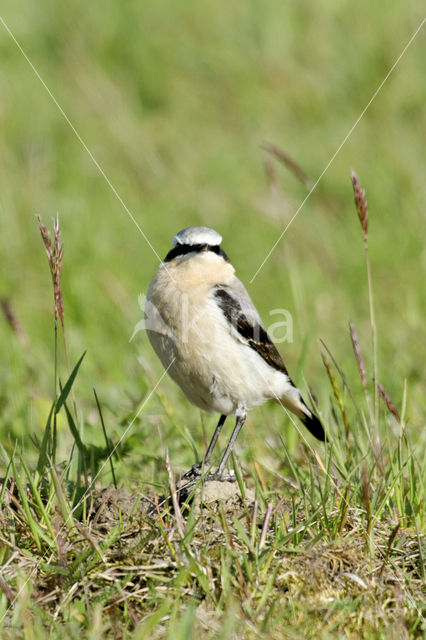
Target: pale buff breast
182 323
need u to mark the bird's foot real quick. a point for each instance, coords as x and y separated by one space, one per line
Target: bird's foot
221 477
195 473
187 484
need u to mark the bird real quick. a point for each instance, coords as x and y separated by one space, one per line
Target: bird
209 336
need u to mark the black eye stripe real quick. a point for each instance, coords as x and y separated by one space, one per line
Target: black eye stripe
184 249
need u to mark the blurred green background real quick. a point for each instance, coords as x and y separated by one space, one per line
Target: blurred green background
174 100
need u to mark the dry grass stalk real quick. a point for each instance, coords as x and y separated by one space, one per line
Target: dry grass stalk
362 210
55 252
388 549
390 405
178 513
270 172
287 161
360 204
265 526
13 321
365 485
358 355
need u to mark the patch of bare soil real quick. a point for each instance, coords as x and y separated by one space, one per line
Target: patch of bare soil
112 505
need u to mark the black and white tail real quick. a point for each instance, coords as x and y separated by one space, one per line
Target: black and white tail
312 423
293 400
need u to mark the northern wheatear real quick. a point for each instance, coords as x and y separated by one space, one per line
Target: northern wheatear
209 336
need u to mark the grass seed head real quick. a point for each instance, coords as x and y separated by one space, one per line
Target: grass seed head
360 204
287 161
358 355
55 252
390 405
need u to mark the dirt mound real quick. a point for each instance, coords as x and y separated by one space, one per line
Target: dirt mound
111 504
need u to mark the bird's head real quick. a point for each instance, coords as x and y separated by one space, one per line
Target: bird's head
193 240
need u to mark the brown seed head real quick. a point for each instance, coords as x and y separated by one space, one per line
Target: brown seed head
390 405
288 161
55 252
358 355
360 204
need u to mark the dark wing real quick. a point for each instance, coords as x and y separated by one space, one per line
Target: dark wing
241 313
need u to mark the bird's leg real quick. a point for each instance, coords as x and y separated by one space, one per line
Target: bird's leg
196 468
214 440
241 415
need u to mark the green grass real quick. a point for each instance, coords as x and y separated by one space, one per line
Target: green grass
174 100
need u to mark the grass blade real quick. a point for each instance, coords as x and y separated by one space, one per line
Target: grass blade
67 386
109 447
